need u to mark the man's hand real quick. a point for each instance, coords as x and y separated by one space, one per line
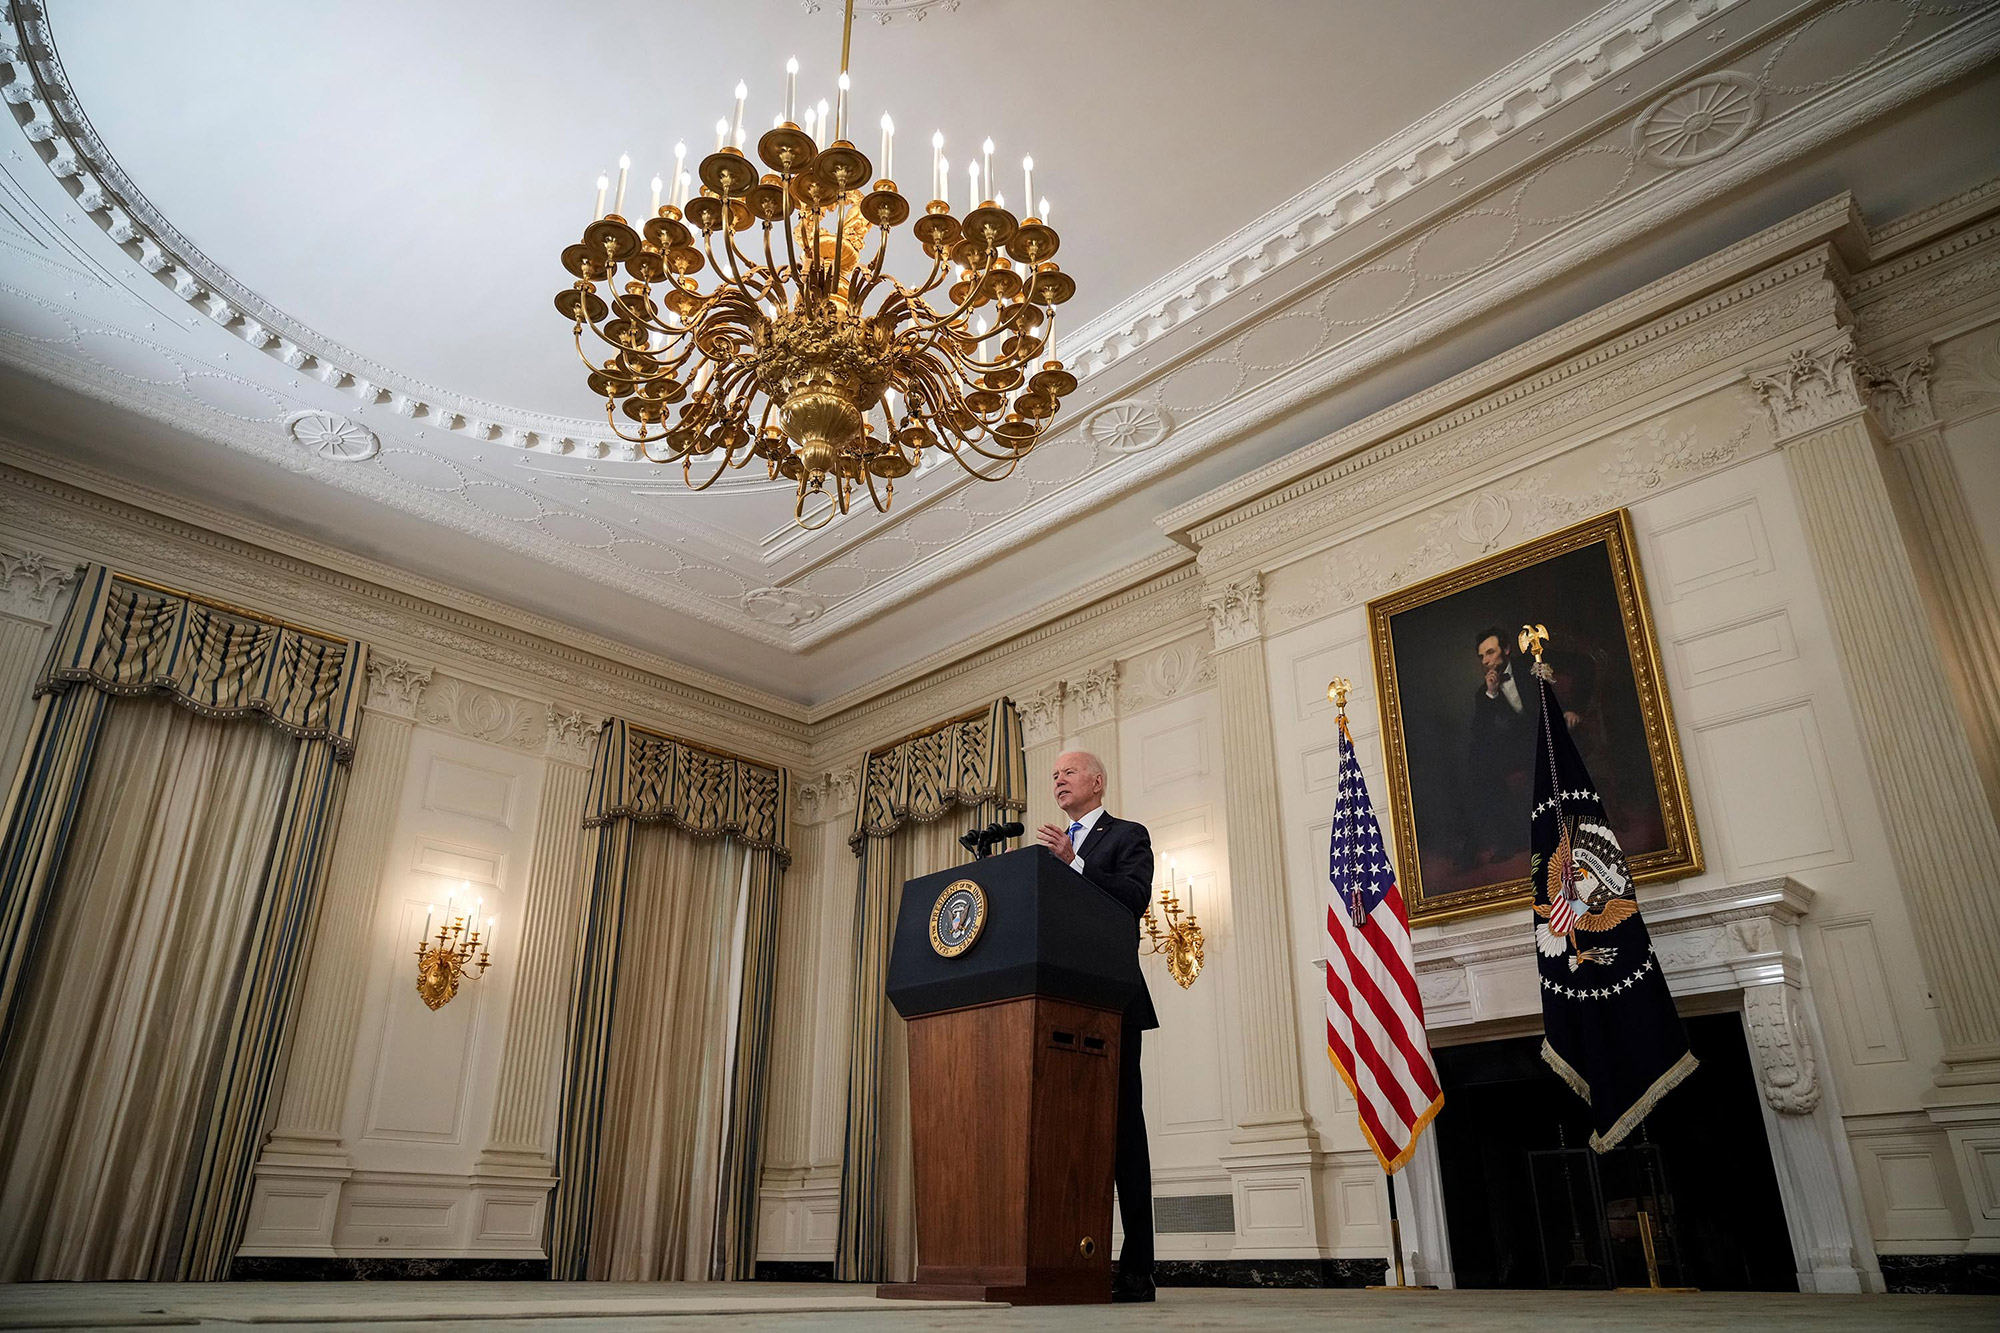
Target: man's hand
1055 837
1492 682
1571 718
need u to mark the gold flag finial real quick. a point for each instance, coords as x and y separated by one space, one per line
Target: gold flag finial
1533 639
1336 690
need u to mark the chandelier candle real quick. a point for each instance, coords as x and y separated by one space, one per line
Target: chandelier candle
736 126
624 172
1027 182
792 91
658 185
603 184
840 110
986 164
754 316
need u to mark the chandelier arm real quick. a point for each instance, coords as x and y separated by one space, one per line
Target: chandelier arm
777 274
799 508
687 465
880 507
1000 475
791 242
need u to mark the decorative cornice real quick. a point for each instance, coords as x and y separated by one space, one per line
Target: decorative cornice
399 623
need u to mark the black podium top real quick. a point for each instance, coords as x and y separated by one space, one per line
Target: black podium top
1047 931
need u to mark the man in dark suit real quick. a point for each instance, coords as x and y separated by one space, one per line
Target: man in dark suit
1117 856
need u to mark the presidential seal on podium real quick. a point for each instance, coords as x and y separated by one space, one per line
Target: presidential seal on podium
958 917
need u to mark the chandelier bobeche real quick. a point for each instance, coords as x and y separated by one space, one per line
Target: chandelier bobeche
805 352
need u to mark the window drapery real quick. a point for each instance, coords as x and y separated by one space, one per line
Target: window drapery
93 839
916 798
672 830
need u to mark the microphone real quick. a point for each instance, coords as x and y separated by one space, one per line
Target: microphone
980 841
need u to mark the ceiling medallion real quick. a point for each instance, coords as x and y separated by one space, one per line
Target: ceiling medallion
333 437
1700 121
1127 428
782 607
784 360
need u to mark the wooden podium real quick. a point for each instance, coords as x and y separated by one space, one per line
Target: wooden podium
1013 1077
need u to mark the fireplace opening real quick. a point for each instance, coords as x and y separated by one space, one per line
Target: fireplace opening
1528 1204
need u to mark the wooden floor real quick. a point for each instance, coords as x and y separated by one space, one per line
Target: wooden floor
586 1307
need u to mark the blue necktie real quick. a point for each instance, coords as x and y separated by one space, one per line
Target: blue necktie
1075 845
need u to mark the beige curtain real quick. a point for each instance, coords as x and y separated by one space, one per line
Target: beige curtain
667 1084
122 1025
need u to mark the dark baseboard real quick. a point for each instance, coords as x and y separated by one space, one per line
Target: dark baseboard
319 1268
795 1270
1268 1272
1942 1274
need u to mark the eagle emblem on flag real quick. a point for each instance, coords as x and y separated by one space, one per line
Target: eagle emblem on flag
1590 890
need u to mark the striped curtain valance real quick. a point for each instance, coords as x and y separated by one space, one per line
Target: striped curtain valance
975 760
645 776
124 637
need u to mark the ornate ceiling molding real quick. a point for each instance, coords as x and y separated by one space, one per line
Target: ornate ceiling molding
1526 177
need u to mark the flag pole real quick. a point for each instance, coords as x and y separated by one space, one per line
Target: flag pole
1395 1229
1337 690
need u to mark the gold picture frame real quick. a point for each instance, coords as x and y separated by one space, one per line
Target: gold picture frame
1452 726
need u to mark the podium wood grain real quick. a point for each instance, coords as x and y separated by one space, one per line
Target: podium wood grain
1013 1124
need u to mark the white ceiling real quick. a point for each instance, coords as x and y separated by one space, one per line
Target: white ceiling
354 210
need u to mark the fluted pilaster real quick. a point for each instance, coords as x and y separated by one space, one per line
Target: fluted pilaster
523 1136
1941 534
794 1038
833 989
315 1093
1042 742
31 588
1939 824
1273 1107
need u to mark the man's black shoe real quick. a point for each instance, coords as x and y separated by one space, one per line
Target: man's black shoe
1125 1290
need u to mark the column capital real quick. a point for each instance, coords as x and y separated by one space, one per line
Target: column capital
1814 386
1041 714
395 685
1901 397
1096 694
572 735
30 583
816 800
1235 610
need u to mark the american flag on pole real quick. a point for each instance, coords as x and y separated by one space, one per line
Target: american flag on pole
1374 1016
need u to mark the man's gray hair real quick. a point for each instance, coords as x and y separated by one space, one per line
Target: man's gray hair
1090 762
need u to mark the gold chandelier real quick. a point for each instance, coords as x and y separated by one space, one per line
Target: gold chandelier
1182 939
795 357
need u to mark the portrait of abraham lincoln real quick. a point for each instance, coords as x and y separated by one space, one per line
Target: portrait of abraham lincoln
1461 715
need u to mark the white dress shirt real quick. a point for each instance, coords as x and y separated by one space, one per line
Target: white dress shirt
1508 689
1077 835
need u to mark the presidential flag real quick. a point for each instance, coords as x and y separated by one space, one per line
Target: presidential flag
1611 1028
1374 1017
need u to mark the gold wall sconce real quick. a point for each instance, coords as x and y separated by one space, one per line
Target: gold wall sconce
1181 939
459 948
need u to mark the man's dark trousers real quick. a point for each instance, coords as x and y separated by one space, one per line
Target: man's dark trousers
1133 1165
